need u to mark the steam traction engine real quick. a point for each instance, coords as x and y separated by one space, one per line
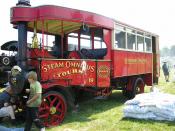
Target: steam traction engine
90 53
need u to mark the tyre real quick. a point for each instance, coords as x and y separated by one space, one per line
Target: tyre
53 108
137 88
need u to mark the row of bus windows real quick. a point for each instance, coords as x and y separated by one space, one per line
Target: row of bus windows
132 41
85 42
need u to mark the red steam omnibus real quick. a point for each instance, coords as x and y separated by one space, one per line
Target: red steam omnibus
91 52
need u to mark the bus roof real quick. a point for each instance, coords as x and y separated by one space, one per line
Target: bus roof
53 15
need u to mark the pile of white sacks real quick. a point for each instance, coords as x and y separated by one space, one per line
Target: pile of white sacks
153 105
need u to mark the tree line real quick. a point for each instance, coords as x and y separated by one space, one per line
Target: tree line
167 51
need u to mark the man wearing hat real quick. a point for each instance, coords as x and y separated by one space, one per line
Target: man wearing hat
165 71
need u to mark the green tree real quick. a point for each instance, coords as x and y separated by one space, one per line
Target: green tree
165 52
172 50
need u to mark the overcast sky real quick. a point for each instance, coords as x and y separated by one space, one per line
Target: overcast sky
156 16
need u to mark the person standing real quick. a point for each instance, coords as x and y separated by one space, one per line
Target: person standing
165 71
33 102
16 81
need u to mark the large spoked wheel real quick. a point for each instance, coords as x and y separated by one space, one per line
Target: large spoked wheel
53 108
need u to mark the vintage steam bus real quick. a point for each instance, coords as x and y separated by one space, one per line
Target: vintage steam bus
91 53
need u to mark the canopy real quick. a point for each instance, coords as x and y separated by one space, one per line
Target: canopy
10 46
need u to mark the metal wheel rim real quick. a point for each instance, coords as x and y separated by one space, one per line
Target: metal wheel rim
45 111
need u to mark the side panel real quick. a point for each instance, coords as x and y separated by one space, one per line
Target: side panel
76 72
141 63
149 64
127 63
132 63
119 63
103 73
73 72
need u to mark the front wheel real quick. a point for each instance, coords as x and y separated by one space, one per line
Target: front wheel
53 108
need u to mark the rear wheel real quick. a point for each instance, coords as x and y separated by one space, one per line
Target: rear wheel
53 108
137 88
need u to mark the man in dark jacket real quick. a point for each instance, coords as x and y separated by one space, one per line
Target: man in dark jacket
165 71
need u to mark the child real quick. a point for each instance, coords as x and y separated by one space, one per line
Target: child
33 102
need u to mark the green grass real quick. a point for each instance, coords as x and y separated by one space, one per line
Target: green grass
107 115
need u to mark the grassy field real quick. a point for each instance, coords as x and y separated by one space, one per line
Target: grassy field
107 115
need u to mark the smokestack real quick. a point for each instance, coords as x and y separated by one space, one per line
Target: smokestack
22 44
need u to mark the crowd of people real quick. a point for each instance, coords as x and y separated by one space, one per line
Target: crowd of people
9 98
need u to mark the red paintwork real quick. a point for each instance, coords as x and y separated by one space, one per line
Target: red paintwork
75 72
119 65
149 64
61 13
103 73
38 53
54 108
74 55
127 63
107 39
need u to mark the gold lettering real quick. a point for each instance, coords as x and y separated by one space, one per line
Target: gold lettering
68 72
59 74
67 64
92 69
80 71
91 80
64 73
48 67
59 65
44 68
78 65
74 71
52 66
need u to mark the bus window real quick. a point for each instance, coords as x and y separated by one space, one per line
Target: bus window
103 45
85 42
120 39
73 42
140 43
148 46
131 41
98 43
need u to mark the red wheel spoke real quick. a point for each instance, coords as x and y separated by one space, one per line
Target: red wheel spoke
49 99
45 106
44 116
59 103
53 101
59 110
55 119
